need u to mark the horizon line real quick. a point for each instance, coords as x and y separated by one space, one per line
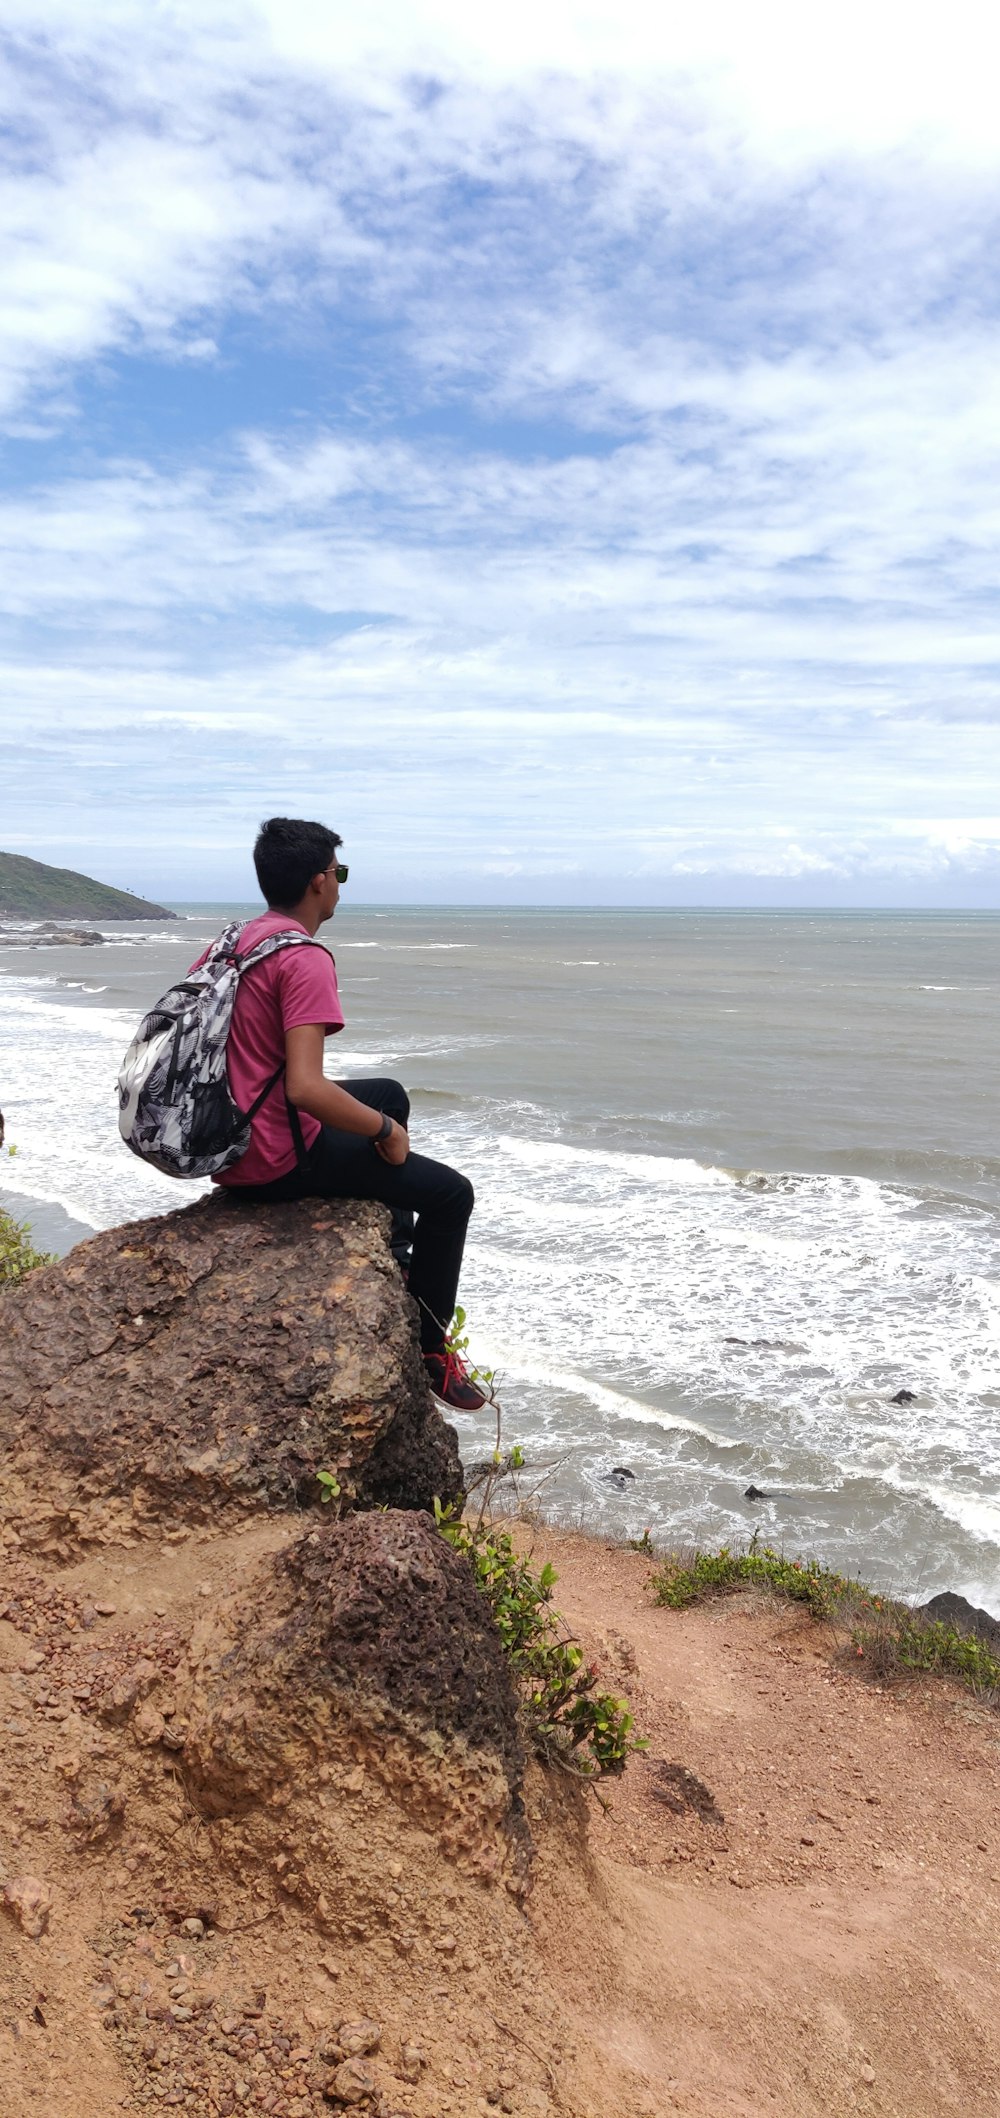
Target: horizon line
494 905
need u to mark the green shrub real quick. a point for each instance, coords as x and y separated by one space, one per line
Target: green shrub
678 1583
568 1719
17 1251
924 1643
890 1637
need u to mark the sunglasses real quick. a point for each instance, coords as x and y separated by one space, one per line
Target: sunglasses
341 871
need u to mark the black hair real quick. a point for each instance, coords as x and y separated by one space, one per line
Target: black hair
287 855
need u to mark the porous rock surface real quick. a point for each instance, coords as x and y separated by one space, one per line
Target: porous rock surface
213 1360
362 1653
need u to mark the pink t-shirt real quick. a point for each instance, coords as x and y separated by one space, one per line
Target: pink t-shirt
290 988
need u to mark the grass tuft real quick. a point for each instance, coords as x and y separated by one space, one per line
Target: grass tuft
889 1637
679 1582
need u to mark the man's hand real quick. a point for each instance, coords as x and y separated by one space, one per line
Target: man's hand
395 1147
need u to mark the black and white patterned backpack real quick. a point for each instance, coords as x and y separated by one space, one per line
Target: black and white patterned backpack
175 1109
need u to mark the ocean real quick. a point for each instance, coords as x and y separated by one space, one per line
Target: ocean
737 1189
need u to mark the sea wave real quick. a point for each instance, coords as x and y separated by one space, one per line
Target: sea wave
35 1192
395 948
978 1515
517 1366
669 1170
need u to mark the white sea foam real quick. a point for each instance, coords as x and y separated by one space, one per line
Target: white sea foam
516 1366
114 938
670 1170
640 1266
61 1111
978 1516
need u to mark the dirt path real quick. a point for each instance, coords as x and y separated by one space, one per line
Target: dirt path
802 1874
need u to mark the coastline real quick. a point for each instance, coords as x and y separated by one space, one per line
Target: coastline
50 1226
671 1270
52 1229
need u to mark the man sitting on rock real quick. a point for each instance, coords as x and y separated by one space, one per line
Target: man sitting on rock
331 1139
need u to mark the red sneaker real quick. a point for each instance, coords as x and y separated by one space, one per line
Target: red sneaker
451 1382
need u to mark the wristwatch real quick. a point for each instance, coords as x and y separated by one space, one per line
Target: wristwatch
383 1132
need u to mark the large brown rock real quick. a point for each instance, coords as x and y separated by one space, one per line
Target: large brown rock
362 1657
214 1360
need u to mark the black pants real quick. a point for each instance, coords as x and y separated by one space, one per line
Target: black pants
345 1166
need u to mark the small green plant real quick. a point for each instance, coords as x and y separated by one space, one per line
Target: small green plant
18 1255
329 1486
568 1719
642 1544
456 1339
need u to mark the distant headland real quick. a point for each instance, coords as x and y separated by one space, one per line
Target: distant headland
29 889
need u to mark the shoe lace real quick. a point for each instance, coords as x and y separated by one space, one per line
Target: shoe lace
453 1367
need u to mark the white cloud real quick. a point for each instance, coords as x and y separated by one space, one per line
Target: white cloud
867 74
167 165
731 273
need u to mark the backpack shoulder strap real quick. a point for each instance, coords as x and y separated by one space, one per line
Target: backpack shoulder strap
270 946
223 949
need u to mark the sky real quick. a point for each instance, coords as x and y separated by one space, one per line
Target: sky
560 451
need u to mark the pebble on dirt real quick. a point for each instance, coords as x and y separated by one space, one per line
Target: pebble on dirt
352 2085
30 1902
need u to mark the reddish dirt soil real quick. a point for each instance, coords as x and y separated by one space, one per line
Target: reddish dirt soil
792 1904
831 1944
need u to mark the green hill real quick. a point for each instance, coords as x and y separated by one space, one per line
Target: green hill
31 890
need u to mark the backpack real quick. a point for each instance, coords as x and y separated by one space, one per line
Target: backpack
175 1108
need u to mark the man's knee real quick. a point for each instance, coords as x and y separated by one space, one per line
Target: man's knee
465 1197
382 1094
396 1102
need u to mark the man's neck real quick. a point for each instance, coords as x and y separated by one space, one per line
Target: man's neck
308 914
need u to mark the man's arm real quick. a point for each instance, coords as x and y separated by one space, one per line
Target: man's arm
307 1087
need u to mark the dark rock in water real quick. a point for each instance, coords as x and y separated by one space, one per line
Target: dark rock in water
766 1345
620 1476
903 1397
965 1617
49 936
760 1493
621 1470
211 1359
